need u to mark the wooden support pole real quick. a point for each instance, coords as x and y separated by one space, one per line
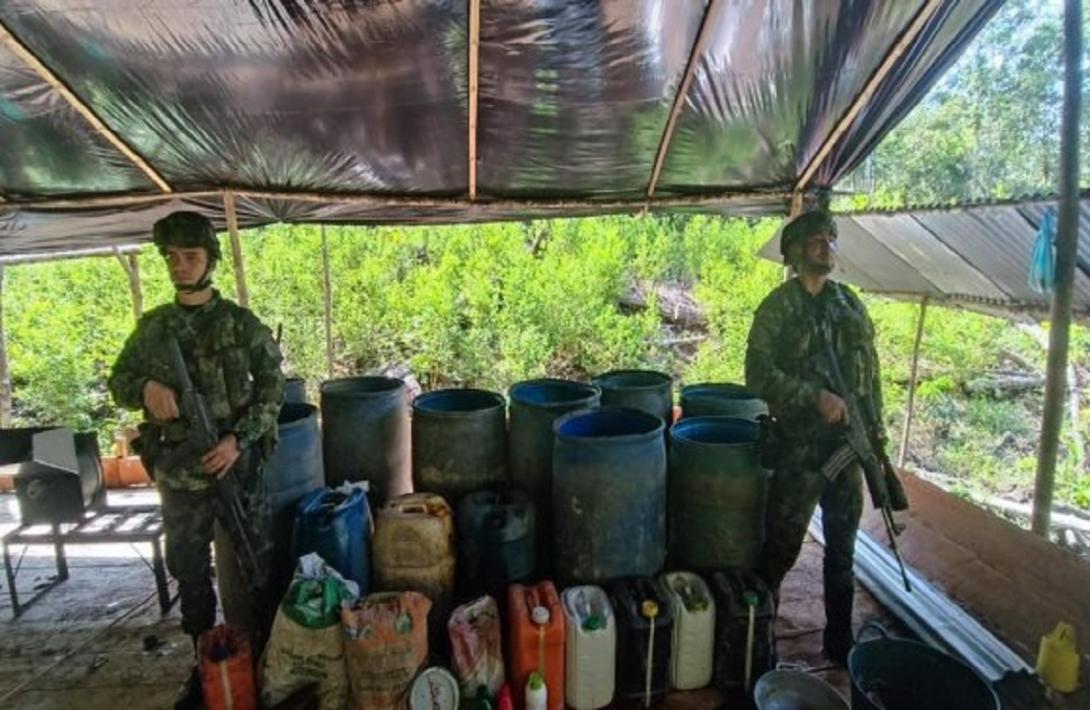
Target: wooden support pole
236 249
327 293
474 78
131 264
912 379
12 43
795 211
1066 253
702 36
5 374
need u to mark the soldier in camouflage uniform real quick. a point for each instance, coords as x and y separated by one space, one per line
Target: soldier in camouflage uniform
235 363
787 365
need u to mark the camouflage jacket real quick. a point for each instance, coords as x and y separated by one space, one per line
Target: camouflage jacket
232 360
787 361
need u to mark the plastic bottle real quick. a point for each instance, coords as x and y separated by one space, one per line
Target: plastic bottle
535 634
504 701
537 695
1058 660
590 648
540 617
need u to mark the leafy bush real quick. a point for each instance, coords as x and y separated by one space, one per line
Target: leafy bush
489 305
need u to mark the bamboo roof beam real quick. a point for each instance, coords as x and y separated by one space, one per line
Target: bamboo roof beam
707 25
896 51
10 41
474 84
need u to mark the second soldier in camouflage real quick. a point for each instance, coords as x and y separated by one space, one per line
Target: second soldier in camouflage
787 365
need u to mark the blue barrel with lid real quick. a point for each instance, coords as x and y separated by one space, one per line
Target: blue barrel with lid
609 495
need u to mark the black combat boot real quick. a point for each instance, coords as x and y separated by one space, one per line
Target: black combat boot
190 696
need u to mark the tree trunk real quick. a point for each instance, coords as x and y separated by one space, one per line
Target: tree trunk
327 296
131 264
241 290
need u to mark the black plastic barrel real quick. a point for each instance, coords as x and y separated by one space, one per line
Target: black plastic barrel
710 399
495 542
459 442
609 495
897 674
295 390
365 434
718 494
645 390
535 406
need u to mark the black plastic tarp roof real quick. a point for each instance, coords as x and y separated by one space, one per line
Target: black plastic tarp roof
113 112
975 256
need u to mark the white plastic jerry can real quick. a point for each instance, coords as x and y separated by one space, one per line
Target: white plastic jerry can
591 650
694 630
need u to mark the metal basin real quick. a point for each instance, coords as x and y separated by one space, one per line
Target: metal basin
795 690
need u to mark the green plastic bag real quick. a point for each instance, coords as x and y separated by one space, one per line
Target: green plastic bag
317 593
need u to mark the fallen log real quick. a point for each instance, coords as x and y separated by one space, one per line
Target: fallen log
675 304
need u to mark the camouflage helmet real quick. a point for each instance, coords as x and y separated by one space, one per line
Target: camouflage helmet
803 226
186 230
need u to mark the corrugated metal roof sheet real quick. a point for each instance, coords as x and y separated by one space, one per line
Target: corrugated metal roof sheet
975 255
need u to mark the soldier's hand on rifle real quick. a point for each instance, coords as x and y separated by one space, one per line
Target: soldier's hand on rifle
222 457
832 408
160 400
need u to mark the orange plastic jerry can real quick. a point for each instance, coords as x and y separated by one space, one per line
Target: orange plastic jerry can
536 641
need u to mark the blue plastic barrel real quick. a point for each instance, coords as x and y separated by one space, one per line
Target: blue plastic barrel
718 494
295 390
708 399
646 390
609 495
535 406
338 527
292 471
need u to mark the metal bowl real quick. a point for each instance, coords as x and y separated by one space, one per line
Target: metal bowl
795 690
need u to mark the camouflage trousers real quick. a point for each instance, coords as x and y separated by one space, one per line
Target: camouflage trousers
189 518
795 491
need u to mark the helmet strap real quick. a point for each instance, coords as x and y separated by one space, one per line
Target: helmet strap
202 283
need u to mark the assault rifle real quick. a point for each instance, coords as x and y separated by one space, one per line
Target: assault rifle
863 446
203 436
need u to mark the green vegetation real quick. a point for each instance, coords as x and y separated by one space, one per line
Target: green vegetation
489 305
